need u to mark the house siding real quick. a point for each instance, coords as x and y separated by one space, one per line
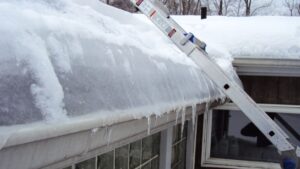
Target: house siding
274 90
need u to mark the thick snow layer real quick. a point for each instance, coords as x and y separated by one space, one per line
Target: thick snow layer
59 58
259 36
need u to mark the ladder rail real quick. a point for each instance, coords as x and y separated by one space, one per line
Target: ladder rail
265 124
176 34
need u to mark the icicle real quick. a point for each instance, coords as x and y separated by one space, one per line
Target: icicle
194 111
207 107
149 125
108 132
183 111
177 116
155 122
223 95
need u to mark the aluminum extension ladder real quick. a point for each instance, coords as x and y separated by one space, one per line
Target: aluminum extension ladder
194 49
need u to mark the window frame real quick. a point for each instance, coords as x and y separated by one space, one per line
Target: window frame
181 140
208 161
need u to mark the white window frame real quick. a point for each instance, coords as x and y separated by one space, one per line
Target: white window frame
166 145
208 161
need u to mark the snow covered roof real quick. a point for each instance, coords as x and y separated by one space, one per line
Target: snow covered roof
252 37
61 59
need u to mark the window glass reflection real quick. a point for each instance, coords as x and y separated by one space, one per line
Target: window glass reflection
233 136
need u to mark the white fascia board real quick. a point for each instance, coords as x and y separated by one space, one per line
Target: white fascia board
267 67
274 108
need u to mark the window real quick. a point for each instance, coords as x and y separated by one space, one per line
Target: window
144 154
106 160
179 146
141 154
88 164
121 157
234 137
231 139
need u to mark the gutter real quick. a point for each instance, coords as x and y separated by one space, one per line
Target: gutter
22 134
267 67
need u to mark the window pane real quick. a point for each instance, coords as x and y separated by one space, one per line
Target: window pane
147 166
181 153
181 166
185 130
155 163
176 133
175 154
88 164
180 156
290 124
235 137
135 154
106 161
179 146
122 157
146 149
156 144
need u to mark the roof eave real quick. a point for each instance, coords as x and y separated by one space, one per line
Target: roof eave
267 67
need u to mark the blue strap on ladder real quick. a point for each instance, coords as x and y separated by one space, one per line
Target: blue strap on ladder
192 38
